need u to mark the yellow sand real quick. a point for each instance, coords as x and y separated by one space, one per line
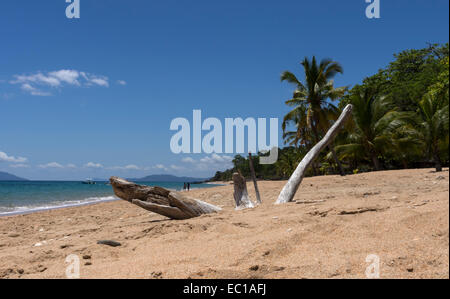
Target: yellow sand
406 225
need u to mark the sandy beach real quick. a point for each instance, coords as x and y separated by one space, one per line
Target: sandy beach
401 216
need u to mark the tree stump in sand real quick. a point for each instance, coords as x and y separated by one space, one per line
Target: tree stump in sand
240 193
255 181
173 205
288 193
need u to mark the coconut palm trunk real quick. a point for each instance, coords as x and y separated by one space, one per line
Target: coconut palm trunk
437 161
405 163
376 162
314 169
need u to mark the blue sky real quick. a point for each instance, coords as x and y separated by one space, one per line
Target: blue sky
94 97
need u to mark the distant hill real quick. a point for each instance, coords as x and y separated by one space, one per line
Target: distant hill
4 176
164 178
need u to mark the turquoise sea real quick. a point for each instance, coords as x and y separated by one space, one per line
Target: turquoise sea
33 196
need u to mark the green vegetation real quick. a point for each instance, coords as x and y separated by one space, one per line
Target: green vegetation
401 118
311 101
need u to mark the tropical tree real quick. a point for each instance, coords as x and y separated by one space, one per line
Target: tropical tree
241 164
441 87
312 100
374 124
431 123
302 135
288 160
406 145
409 77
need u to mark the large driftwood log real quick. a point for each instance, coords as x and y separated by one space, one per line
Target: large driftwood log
240 193
288 192
161 201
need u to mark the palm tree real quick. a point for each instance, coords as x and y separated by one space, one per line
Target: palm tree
431 123
373 127
311 100
302 135
406 144
288 161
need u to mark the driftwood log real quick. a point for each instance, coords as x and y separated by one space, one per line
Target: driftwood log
255 181
241 196
173 205
288 192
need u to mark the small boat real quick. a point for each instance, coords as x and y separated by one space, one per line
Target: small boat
89 182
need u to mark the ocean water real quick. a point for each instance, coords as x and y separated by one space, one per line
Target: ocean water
29 197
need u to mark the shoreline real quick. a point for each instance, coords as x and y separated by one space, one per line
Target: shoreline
107 199
46 209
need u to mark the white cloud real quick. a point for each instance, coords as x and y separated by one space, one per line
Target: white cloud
93 165
57 165
100 81
38 78
34 91
121 82
159 167
95 79
215 158
128 167
210 163
57 79
132 167
4 157
19 166
188 160
176 167
51 165
67 76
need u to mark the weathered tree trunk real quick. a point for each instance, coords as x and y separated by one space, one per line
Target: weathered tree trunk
161 201
437 161
314 168
376 162
240 193
405 163
288 192
255 182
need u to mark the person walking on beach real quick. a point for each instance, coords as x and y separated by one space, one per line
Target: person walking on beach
184 187
189 186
